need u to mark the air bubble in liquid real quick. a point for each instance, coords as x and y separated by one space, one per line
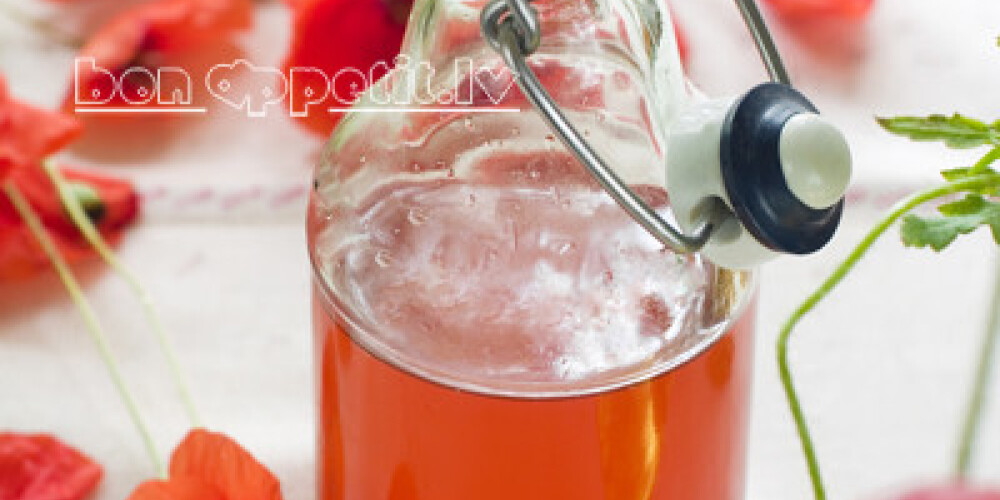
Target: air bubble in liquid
416 216
383 258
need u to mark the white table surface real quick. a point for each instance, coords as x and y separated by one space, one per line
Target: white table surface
883 365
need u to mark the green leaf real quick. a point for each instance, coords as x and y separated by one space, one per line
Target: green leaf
972 204
955 131
959 174
960 217
955 174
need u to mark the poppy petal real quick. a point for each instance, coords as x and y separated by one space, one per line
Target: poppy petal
175 489
29 134
136 35
820 9
40 467
956 491
333 35
20 255
223 465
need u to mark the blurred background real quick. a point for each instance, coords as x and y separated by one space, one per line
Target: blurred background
884 366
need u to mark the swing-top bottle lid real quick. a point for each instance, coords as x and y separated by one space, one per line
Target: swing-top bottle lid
785 169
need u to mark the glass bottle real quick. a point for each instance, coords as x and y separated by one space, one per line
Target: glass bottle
489 324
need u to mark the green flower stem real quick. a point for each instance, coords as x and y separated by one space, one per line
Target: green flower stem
984 162
977 399
990 180
30 218
94 238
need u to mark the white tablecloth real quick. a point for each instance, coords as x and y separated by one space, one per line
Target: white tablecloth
883 366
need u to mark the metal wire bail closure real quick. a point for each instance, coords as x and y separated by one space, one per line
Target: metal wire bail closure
512 28
518 16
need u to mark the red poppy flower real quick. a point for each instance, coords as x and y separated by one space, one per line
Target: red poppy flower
211 466
818 9
111 204
956 491
331 35
140 37
39 467
29 134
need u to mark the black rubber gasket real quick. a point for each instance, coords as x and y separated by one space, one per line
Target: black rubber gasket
754 180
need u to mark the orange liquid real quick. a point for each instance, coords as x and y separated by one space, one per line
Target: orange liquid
388 435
